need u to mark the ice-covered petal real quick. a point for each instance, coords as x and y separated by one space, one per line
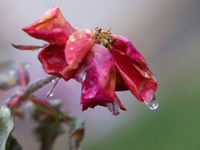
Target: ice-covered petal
77 47
53 61
52 27
133 69
98 87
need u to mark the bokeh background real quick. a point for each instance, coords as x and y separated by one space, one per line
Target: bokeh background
167 33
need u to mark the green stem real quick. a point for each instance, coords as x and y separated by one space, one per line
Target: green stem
34 86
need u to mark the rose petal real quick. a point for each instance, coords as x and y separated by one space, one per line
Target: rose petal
54 36
51 24
133 69
98 87
53 61
124 45
77 47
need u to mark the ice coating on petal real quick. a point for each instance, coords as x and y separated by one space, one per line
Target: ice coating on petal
53 61
99 85
77 47
133 69
50 26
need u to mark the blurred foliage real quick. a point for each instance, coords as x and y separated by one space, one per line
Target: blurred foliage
6 126
12 74
48 115
173 126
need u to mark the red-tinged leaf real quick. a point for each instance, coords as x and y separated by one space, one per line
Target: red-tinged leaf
22 75
77 47
44 105
27 47
52 19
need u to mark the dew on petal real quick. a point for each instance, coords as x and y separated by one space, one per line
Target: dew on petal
114 108
81 77
153 104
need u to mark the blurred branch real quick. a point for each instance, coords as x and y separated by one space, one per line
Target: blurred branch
24 94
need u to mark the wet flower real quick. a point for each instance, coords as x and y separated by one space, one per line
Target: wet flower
102 62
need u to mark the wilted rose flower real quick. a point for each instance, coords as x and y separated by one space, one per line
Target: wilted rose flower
102 62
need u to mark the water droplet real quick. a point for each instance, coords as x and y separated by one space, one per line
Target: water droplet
81 77
26 65
11 71
153 104
154 78
71 48
50 93
114 108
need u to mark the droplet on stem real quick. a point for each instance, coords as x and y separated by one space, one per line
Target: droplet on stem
50 93
153 104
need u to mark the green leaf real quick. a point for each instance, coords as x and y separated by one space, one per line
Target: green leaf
6 126
12 144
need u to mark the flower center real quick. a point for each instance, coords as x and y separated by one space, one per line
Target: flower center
104 37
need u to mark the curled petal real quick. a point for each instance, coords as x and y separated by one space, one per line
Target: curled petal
53 61
98 87
54 36
50 26
133 69
77 47
125 46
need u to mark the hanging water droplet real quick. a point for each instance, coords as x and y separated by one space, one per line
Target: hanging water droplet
114 108
154 78
82 76
11 71
153 104
50 93
53 80
26 65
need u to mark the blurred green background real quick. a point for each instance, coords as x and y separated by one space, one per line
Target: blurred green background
167 33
